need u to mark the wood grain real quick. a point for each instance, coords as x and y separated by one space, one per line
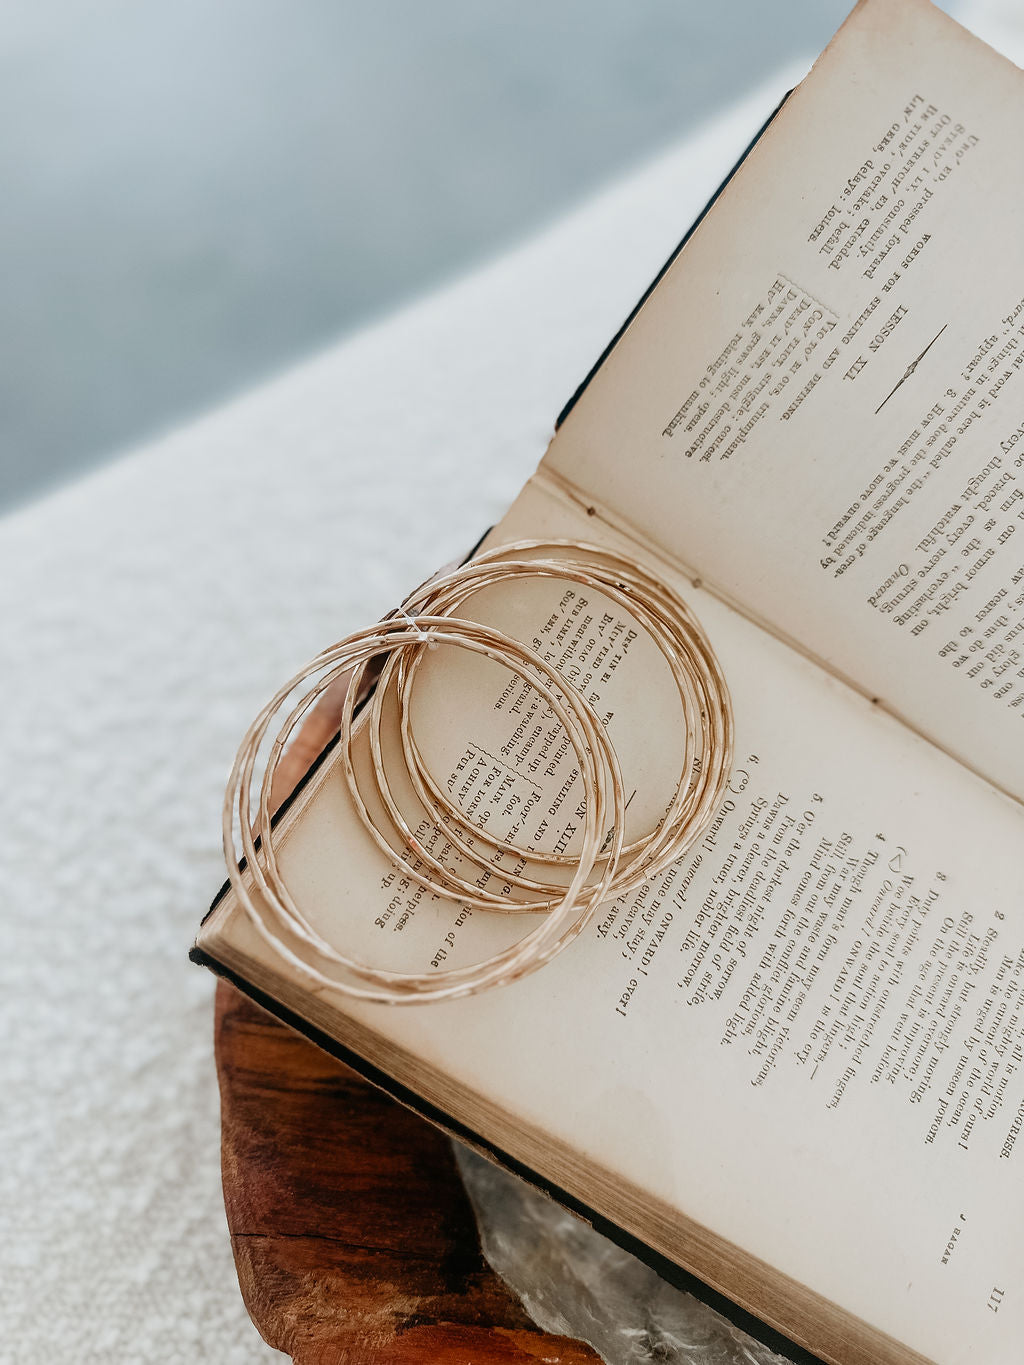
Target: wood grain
353 1237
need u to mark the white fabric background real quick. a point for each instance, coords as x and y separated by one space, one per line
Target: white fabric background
145 614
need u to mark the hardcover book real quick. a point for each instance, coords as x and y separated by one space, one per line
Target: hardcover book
792 1064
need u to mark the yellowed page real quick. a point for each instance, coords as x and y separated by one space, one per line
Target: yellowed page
820 409
806 1037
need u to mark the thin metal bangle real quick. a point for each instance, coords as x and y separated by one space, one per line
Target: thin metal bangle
397 987
706 709
672 641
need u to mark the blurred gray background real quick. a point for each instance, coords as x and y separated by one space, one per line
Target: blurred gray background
195 194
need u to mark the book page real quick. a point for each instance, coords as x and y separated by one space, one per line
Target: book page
820 408
798 1051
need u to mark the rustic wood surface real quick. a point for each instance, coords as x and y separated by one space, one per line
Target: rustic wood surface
353 1237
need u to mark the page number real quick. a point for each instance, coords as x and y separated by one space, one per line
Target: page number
995 1299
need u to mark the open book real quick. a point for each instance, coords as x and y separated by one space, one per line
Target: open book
793 1063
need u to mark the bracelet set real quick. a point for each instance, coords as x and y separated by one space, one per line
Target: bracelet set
563 889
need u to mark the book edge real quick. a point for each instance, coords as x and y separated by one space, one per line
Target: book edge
667 1269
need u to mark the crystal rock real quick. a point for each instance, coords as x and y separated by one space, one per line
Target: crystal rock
576 1283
